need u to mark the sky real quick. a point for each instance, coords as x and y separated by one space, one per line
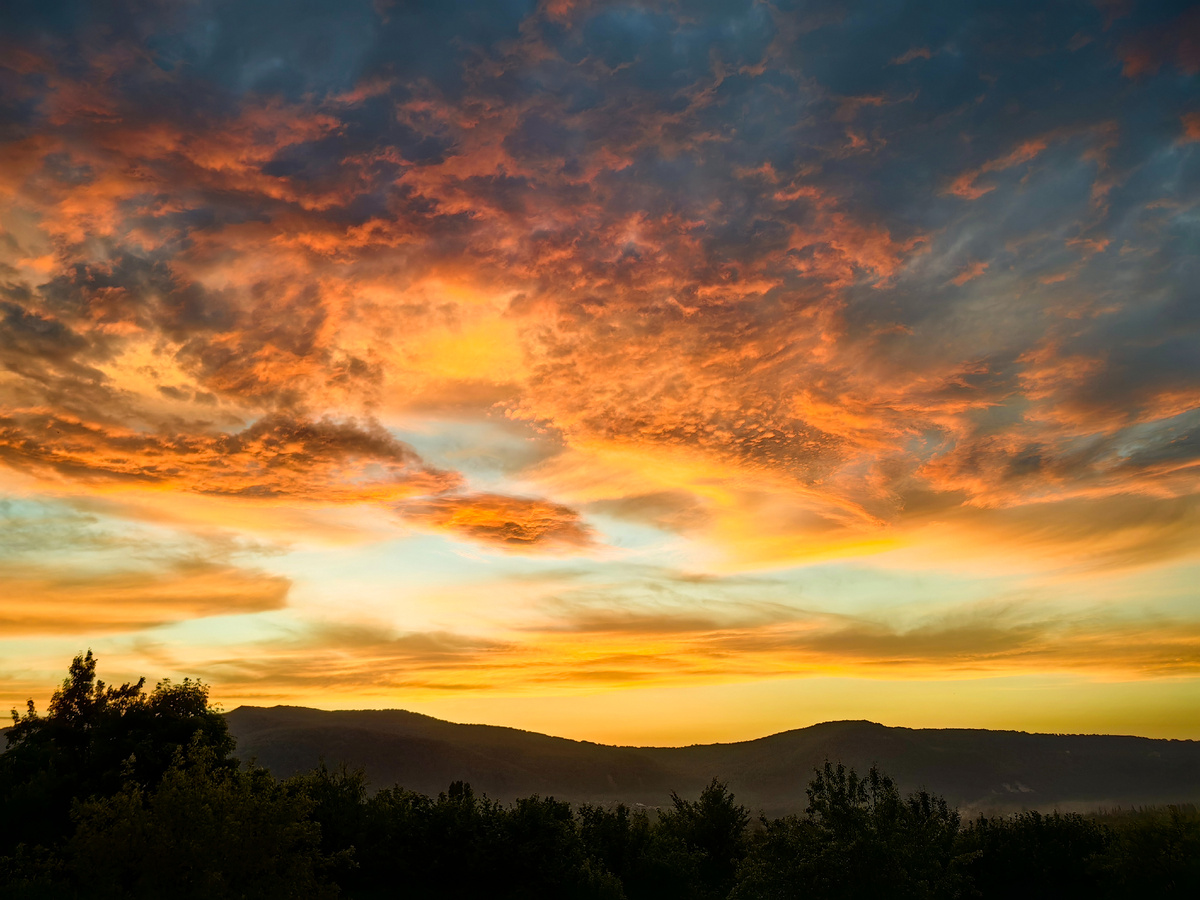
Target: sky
649 373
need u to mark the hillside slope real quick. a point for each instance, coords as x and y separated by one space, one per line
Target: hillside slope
975 769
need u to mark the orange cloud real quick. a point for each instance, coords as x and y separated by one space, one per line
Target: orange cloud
1191 126
911 54
749 354
965 185
1102 530
1174 41
40 600
327 660
614 651
971 272
277 457
510 523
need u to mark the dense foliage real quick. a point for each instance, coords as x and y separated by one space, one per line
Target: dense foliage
94 741
120 793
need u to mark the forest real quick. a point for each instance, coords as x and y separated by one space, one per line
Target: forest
121 791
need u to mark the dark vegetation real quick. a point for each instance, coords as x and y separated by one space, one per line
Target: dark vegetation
120 792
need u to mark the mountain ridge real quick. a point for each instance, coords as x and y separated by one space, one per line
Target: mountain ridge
409 712
976 769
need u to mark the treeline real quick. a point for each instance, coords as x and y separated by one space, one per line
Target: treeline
123 792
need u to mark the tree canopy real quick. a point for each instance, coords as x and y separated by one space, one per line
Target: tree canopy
95 739
118 792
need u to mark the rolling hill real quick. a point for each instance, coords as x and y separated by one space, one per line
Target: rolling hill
978 770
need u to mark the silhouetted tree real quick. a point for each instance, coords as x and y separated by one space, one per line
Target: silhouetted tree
1154 852
117 792
778 864
1036 855
618 838
207 831
859 839
93 740
647 861
338 800
714 827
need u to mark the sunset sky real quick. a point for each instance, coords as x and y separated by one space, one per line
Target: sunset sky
636 372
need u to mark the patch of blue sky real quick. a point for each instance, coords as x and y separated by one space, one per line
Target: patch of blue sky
47 529
1140 594
855 588
421 582
487 451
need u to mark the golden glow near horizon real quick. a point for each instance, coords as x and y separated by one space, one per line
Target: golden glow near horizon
606 371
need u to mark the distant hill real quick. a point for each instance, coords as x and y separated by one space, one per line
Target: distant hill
977 770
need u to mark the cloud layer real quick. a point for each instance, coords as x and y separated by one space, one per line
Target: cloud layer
740 288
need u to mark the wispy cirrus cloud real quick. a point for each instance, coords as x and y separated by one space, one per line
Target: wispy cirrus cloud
131 600
596 648
119 576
